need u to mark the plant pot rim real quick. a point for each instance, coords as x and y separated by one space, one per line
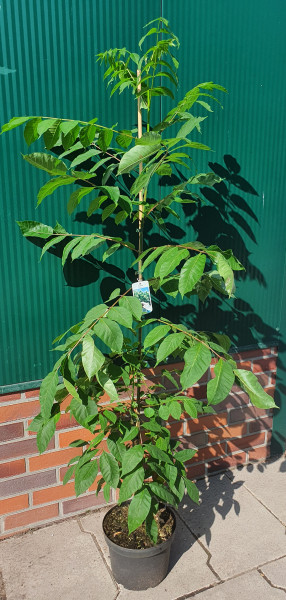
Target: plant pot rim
142 551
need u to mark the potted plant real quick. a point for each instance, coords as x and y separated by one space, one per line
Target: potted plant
108 351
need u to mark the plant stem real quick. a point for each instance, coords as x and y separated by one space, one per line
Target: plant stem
140 249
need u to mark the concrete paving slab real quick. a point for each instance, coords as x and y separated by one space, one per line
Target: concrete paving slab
276 572
188 564
267 482
238 531
58 562
249 586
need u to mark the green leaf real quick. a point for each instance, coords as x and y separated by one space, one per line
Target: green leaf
164 170
70 132
224 269
152 256
189 125
132 457
69 474
107 385
84 157
92 358
191 273
163 493
155 335
131 483
46 162
85 476
124 138
121 315
256 393
138 510
35 229
86 245
31 130
108 211
197 360
104 139
51 243
52 134
158 454
47 124
76 197
132 304
219 387
185 455
192 490
87 135
94 313
109 469
45 434
14 122
71 390
190 408
169 345
136 155
53 185
110 333
175 410
169 261
68 248
47 393
130 434
150 137
106 492
164 412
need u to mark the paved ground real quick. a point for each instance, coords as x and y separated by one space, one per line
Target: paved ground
232 546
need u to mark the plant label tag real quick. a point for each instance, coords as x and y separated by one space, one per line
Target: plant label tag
141 290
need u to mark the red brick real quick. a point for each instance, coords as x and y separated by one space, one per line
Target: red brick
52 494
270 391
246 442
9 469
227 462
234 399
13 504
247 413
255 353
10 397
195 471
176 429
22 410
223 433
259 453
70 436
207 422
11 487
265 364
263 379
82 503
32 393
197 392
36 515
22 448
260 425
196 440
53 459
11 432
209 452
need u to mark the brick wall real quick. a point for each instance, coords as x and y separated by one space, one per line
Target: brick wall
31 489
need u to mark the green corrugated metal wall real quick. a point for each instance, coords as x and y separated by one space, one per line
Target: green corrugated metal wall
48 67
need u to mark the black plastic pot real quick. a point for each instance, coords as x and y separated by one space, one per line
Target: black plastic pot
140 569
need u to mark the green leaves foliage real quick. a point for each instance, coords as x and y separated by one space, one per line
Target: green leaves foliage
139 509
169 345
219 387
92 357
197 360
47 393
137 154
46 162
191 273
109 469
251 385
130 484
85 475
110 333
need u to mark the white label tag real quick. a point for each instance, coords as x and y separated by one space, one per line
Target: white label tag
141 290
